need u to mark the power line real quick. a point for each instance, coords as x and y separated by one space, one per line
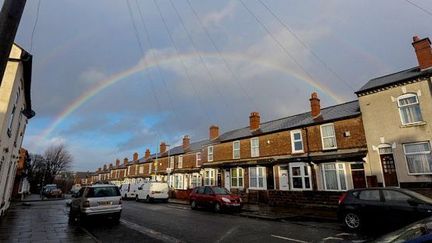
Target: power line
204 64
188 76
419 7
303 43
35 24
233 74
277 41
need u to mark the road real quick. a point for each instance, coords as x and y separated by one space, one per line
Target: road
166 222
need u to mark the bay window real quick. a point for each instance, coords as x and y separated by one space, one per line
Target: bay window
195 180
418 156
237 177
300 175
334 176
257 177
209 177
178 181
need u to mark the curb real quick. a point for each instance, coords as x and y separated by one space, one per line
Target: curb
179 202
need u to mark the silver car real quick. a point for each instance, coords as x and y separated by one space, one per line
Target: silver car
103 199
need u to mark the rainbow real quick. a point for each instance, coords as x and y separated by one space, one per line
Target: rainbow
141 66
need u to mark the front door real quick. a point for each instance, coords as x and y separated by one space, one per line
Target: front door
283 179
227 180
389 170
358 175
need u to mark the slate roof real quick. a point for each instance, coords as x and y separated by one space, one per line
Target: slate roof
328 114
380 82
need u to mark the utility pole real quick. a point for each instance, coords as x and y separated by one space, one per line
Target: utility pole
10 17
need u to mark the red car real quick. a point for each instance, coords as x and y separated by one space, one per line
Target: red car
216 198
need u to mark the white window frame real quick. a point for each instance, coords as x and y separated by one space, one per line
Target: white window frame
322 137
406 159
178 181
210 154
197 178
180 161
150 168
237 178
211 177
171 162
236 150
197 159
405 96
302 175
264 176
338 171
293 141
254 147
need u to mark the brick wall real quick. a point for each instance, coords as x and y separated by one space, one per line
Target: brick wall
180 194
189 160
299 198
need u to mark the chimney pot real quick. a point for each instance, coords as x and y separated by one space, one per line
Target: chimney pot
125 161
423 52
315 105
186 142
135 156
162 148
147 154
214 132
254 121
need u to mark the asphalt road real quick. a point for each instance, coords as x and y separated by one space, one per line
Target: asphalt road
165 222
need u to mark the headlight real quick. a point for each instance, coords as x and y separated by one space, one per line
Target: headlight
226 200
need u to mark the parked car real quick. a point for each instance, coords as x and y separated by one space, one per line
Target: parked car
216 198
151 191
101 200
128 191
388 206
420 231
51 190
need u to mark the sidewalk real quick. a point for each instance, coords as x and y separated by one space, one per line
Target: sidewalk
43 221
36 198
263 211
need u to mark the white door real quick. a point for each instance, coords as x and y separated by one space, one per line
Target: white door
227 180
283 179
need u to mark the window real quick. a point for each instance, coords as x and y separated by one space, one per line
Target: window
370 195
195 180
300 176
209 177
394 196
418 156
237 177
236 150
172 162
409 109
334 176
178 181
257 178
150 168
11 118
254 147
180 162
296 141
198 159
210 153
328 136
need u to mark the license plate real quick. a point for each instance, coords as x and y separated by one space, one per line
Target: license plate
105 203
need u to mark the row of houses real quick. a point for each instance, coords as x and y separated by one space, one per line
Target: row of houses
381 139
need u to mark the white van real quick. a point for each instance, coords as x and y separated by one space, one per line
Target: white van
128 191
152 190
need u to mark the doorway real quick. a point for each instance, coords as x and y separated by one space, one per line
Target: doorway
283 178
358 175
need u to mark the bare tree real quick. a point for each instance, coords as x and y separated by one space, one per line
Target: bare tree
57 159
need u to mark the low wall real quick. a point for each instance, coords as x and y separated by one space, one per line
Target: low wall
303 198
180 194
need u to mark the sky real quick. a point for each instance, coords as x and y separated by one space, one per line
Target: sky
112 77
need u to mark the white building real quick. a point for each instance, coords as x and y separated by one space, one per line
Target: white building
15 110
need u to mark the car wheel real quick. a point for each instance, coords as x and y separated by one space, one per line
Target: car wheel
148 199
352 221
217 207
136 198
193 205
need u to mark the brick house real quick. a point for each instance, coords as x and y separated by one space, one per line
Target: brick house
276 161
399 141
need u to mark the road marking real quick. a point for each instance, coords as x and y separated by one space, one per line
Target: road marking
229 232
147 231
289 239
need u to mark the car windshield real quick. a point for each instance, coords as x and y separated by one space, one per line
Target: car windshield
103 192
220 191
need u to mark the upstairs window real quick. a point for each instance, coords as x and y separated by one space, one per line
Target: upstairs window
236 150
296 141
210 153
180 162
328 136
254 147
409 109
418 156
172 162
198 159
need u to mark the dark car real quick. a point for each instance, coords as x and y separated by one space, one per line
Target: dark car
420 231
387 206
216 198
51 191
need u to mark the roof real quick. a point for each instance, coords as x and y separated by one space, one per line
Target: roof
328 114
394 78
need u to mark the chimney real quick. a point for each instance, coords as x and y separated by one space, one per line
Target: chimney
125 161
135 156
99 169
110 166
162 147
186 142
117 162
315 105
214 132
147 154
105 167
254 121
423 51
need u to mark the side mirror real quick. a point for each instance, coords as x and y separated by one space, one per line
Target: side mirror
413 202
